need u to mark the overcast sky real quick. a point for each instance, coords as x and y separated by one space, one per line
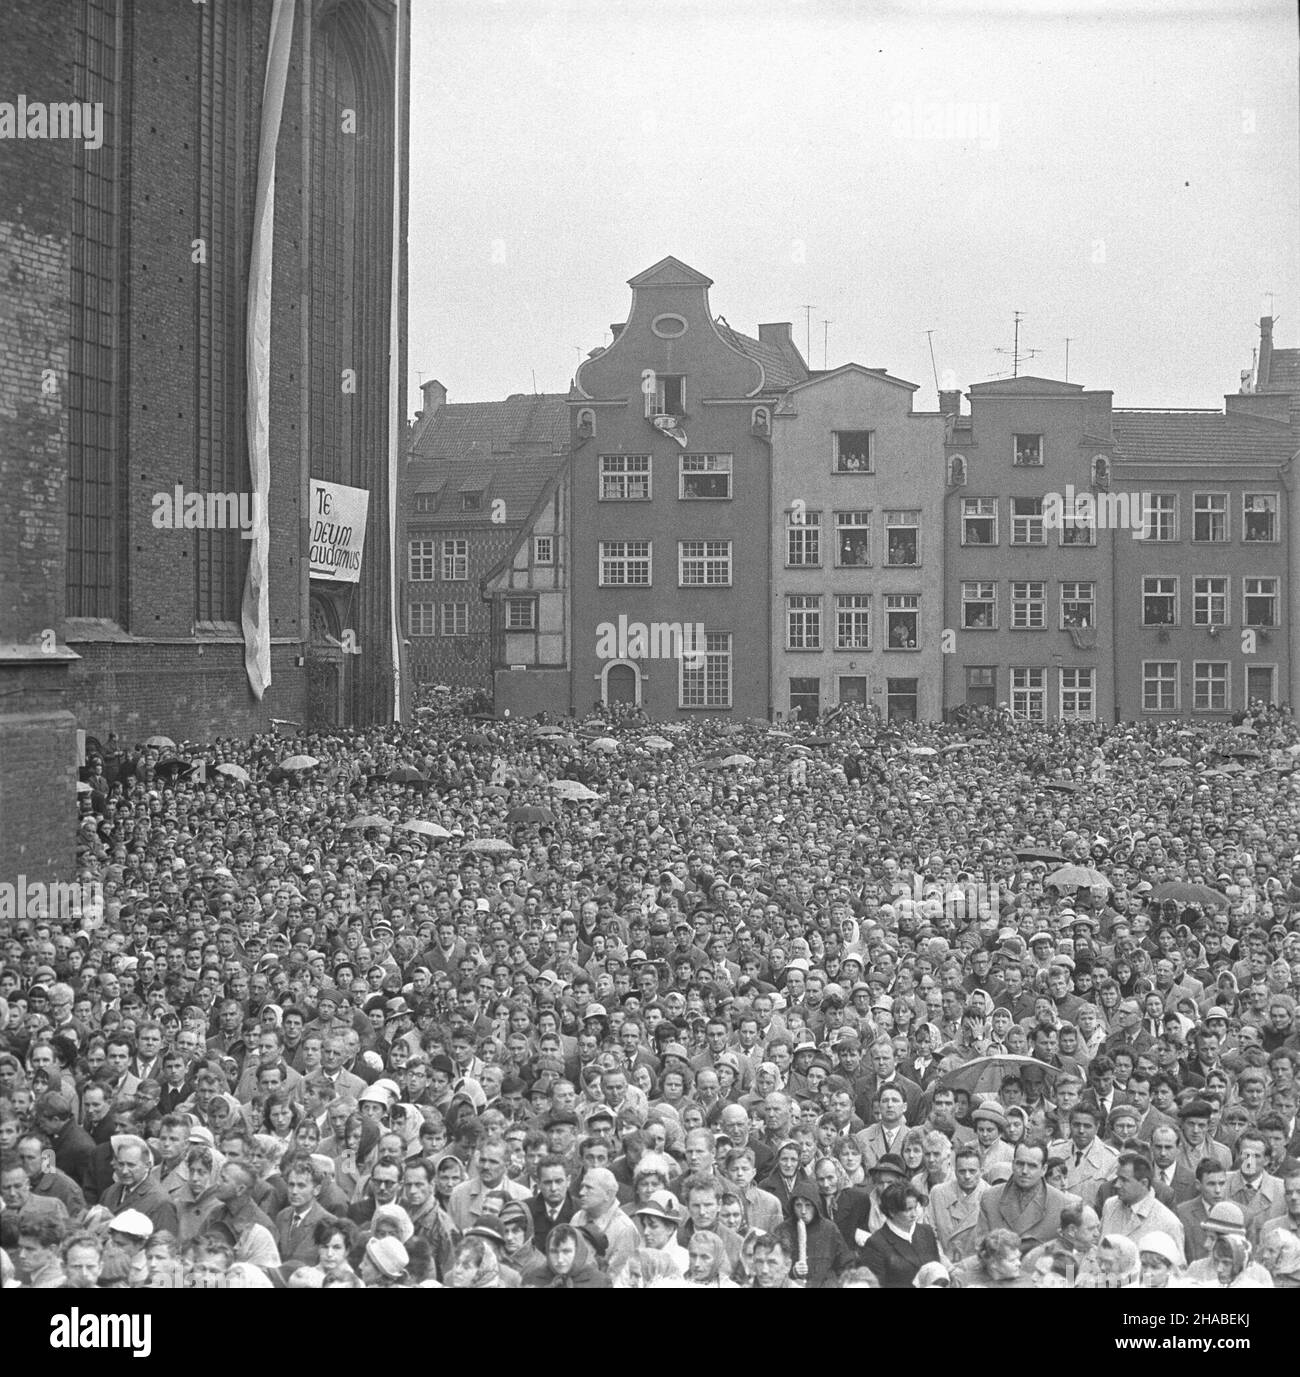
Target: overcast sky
1123 173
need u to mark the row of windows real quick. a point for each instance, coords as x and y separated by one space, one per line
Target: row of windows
1211 601
852 625
424 559
1155 515
426 503
1076 691
1211 685
854 546
452 618
700 563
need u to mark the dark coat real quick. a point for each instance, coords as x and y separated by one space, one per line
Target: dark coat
895 1261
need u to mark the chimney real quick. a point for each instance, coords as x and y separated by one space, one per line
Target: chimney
616 330
435 395
1264 368
776 334
950 402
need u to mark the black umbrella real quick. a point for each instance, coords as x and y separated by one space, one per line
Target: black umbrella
1062 786
406 774
529 813
1036 854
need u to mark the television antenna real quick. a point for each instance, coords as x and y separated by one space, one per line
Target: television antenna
934 368
1017 354
807 330
826 335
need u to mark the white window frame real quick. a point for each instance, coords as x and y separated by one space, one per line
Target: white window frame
801 534
690 465
547 543
1027 603
1201 507
455 559
972 510
903 519
1027 528
1077 687
1206 601
859 522
1252 587
1161 681
979 593
622 477
1224 679
700 683
625 557
1161 593
1272 507
1160 519
455 613
1029 693
803 621
422 619
708 561
836 457
422 555
1072 592
905 604
852 620
1017 449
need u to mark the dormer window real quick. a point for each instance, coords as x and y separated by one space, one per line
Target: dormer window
426 503
471 501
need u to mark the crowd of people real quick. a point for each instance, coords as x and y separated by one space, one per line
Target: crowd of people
482 1003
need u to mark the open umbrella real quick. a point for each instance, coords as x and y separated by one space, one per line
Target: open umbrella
1076 875
818 741
604 743
985 1075
530 813
1031 853
1185 892
657 743
675 727
1233 767
549 731
731 762
1246 754
489 846
1244 730
160 741
1173 762
789 736
483 717
406 774
572 791
233 771
922 750
299 762
368 820
425 829
173 768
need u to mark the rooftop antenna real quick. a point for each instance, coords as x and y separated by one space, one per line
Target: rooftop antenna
826 335
1068 338
929 334
807 331
1016 352
534 382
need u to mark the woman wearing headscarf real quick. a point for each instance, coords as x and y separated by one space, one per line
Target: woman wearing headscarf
1119 1266
517 1231
708 1262
1233 1270
568 1264
1162 1260
1279 1255
476 1267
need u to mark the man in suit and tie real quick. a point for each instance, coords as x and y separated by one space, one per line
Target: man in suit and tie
954 1209
295 1225
1260 1195
330 1081
1170 1172
552 1204
884 1071
886 1134
1026 1204
1090 1161
1212 1188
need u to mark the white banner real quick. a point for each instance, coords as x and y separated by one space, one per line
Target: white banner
337 531
256 613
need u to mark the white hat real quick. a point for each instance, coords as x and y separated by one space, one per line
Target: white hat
131 1222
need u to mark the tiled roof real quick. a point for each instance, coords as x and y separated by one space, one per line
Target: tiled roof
506 450
1166 437
778 370
464 430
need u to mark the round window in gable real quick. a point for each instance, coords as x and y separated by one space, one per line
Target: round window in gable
669 326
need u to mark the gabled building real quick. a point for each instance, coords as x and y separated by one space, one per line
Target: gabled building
672 505
1028 583
473 476
857 547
